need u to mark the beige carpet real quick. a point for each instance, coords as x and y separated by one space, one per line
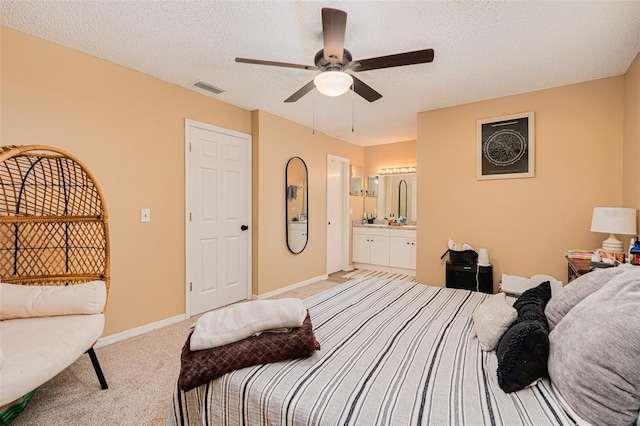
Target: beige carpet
141 373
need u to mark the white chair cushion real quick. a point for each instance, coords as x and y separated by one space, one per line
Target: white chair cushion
26 301
37 349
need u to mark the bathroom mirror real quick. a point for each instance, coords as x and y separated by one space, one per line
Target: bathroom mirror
372 186
356 180
388 197
296 193
402 198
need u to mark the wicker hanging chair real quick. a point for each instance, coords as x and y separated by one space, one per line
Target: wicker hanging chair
53 223
53 219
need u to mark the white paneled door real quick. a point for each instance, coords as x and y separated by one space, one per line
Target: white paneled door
337 247
218 217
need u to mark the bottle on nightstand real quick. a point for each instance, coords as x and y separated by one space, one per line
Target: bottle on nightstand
634 253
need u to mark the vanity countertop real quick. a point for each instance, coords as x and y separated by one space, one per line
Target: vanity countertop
382 225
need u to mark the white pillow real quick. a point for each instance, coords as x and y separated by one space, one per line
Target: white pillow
516 285
491 319
27 301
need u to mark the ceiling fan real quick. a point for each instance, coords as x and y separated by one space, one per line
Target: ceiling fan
334 60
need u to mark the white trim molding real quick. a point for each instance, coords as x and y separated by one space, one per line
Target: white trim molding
118 337
290 287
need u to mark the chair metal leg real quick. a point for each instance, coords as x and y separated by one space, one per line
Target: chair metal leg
96 366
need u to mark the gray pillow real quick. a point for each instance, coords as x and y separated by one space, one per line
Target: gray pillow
594 357
578 289
491 319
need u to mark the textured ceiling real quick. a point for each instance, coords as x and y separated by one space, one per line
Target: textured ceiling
483 50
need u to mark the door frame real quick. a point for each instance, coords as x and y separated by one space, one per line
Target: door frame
346 249
188 125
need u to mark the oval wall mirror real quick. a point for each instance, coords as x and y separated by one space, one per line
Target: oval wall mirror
297 207
402 198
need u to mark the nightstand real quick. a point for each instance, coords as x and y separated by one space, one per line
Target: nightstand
470 277
577 267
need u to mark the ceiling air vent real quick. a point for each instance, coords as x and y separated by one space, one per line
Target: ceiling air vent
208 87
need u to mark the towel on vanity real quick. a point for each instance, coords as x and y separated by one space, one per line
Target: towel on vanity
237 322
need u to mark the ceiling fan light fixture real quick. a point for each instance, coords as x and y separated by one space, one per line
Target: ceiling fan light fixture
333 83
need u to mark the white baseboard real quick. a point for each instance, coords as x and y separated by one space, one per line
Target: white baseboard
290 287
138 331
165 322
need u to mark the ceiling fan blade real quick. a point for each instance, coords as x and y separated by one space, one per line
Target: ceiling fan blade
276 64
389 61
365 90
334 23
300 93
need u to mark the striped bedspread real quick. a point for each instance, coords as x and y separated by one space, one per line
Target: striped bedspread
393 353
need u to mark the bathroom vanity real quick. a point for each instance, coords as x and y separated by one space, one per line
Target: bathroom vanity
385 248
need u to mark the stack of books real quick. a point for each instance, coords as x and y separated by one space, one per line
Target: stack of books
579 254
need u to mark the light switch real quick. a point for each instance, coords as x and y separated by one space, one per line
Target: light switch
145 215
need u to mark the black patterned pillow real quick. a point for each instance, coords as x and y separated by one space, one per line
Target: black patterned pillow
523 350
522 354
530 305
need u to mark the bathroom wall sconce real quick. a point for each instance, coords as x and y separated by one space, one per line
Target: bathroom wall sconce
397 170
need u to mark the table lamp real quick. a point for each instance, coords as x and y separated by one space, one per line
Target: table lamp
613 220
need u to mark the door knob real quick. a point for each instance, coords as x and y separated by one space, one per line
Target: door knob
244 227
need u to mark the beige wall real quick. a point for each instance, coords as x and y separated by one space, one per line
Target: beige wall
631 153
397 154
279 140
525 223
128 128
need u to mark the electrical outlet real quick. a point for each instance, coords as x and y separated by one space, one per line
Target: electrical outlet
145 215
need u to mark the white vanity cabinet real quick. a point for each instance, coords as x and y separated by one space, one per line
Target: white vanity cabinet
385 248
297 236
371 245
402 248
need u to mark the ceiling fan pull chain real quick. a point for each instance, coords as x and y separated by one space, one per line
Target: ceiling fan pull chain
313 119
353 109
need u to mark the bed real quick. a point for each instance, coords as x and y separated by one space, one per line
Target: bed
392 353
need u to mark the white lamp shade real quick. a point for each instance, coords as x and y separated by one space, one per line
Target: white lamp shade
333 83
614 220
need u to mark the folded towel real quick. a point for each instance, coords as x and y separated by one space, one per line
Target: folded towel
199 367
237 322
